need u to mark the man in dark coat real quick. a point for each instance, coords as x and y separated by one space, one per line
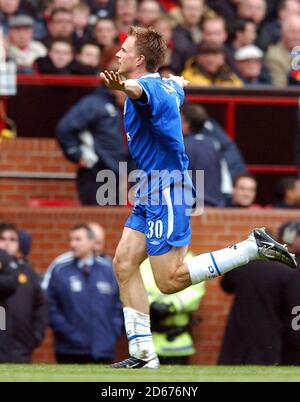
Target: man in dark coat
259 323
26 313
90 135
202 156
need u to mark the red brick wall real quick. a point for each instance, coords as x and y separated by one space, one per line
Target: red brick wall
37 156
213 230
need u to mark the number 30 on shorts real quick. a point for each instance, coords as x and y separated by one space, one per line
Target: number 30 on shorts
155 229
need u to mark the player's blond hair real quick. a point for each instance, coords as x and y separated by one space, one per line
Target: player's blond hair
151 44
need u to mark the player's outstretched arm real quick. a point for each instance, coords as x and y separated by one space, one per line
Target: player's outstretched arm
179 79
114 81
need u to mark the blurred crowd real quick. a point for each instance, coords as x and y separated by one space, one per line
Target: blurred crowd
210 42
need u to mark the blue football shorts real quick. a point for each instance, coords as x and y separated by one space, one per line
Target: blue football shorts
165 226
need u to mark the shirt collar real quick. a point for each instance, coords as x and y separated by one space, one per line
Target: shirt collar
89 262
151 75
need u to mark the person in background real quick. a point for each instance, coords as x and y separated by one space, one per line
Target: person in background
250 66
289 233
148 12
59 59
232 162
8 279
125 17
288 193
11 8
242 33
171 318
90 135
101 8
99 234
202 155
187 35
271 31
208 68
84 307
59 26
87 59
26 307
106 35
265 294
278 57
244 191
22 48
81 30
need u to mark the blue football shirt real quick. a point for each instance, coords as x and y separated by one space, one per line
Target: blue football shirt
153 129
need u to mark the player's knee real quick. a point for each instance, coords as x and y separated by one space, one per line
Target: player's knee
120 268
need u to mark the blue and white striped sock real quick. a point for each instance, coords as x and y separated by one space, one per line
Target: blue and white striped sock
139 334
211 265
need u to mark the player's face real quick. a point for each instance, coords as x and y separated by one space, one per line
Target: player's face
127 57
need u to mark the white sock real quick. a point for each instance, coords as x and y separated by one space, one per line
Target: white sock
208 266
139 334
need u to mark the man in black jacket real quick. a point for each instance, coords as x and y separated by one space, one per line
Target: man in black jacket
90 135
8 277
25 308
259 323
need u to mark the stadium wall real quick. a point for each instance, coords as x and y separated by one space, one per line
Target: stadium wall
215 229
25 165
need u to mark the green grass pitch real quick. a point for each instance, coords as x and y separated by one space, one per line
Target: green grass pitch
100 373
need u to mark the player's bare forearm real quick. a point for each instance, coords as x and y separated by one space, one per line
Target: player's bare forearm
114 81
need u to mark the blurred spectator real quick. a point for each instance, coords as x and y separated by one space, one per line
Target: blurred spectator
59 59
271 31
265 293
215 32
84 304
232 163
256 10
278 58
289 234
208 68
106 35
60 26
288 193
99 243
250 65
41 31
22 48
26 307
171 318
11 8
8 281
90 135
102 8
87 59
202 155
244 191
242 33
125 16
187 36
164 25
148 12
81 30
227 8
